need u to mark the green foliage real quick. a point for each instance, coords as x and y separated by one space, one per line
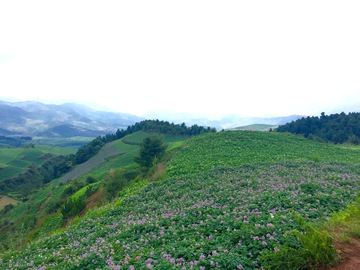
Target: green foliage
233 148
7 208
16 160
117 181
151 148
336 128
90 179
353 139
69 190
316 157
73 207
344 225
309 248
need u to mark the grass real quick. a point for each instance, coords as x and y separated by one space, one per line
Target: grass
344 225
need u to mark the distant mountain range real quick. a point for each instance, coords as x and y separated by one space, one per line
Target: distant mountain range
48 120
32 118
226 122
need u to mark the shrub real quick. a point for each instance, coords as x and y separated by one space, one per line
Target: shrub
306 249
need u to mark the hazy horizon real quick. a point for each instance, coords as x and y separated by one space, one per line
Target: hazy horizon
166 115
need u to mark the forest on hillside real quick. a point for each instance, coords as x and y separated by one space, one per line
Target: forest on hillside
335 128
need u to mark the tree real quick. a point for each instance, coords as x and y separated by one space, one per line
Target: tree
151 148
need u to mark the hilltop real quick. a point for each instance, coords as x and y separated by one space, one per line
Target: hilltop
231 199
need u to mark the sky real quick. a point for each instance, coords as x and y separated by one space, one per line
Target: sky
253 58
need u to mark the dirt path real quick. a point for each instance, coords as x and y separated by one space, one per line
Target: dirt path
350 255
105 152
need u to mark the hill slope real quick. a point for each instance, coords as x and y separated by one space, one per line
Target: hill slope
229 199
14 161
40 213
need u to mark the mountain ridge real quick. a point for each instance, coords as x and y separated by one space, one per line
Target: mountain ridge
32 118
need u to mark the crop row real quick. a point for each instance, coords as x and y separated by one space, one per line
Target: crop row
234 148
225 218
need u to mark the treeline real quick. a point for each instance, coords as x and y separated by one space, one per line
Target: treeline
336 128
33 178
164 127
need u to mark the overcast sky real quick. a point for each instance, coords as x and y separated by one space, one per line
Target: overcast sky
254 58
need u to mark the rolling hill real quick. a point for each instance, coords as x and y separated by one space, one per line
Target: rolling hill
14 161
42 207
230 200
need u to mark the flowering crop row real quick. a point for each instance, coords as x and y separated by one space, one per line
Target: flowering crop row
224 218
234 148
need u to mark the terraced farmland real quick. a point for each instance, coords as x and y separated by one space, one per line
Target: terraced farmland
14 161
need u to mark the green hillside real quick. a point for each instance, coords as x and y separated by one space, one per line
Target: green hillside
230 200
234 148
14 161
40 214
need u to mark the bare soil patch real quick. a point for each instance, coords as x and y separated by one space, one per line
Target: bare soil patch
350 255
5 200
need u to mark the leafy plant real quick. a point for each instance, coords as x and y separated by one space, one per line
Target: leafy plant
307 248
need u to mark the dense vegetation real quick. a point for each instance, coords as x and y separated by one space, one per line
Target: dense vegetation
23 168
23 184
336 128
151 149
92 183
231 200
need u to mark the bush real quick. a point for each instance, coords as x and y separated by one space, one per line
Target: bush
115 183
306 249
73 207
